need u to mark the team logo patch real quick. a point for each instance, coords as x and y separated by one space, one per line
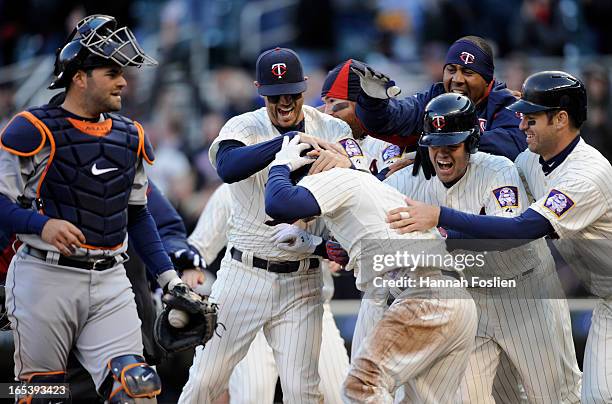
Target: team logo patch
558 203
466 58
351 147
279 70
507 197
390 152
483 124
438 122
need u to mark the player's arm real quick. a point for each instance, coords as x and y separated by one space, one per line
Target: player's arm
172 232
393 120
237 161
20 141
287 202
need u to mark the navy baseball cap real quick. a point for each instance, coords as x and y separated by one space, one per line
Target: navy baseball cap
279 71
343 83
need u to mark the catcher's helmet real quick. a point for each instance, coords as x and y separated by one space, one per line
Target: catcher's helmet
95 42
450 119
553 90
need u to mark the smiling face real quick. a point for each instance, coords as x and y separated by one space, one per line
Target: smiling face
285 111
540 132
450 162
461 80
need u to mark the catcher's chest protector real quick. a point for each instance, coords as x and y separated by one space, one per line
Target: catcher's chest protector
90 173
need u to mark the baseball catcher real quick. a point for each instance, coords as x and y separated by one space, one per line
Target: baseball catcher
197 320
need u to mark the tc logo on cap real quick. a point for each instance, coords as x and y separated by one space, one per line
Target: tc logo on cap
466 58
438 122
279 69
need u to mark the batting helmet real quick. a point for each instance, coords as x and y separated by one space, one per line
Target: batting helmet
96 42
553 90
450 119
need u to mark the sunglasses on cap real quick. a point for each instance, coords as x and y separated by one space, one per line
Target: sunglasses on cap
274 99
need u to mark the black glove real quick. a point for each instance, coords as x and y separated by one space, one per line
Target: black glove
186 259
421 160
200 328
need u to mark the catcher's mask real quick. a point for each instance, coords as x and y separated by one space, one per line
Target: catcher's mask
95 42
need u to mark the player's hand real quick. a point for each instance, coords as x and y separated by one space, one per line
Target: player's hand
291 238
417 216
289 154
376 84
193 277
63 235
320 144
186 259
398 165
327 159
334 267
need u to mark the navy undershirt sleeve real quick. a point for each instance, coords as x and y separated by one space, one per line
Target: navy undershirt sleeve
143 233
236 162
15 219
288 202
529 225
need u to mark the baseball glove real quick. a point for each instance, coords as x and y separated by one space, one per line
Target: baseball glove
200 327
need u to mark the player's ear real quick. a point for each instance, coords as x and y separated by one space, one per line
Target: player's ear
562 119
256 83
79 79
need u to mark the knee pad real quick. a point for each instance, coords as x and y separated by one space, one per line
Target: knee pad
46 377
132 378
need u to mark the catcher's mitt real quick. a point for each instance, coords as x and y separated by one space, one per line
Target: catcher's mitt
200 328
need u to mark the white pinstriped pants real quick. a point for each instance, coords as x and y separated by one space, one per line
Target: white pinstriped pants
597 377
289 309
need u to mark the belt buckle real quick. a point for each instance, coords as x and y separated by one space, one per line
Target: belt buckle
98 261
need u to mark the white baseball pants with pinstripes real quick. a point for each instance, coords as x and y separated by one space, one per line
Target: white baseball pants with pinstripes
597 379
254 378
289 309
423 341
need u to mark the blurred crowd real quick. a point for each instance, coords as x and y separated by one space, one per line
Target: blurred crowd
207 48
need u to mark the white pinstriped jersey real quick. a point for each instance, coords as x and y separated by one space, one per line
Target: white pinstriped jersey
247 228
491 185
576 198
354 206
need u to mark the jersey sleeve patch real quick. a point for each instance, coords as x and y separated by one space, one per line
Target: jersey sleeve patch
558 202
507 196
351 147
391 152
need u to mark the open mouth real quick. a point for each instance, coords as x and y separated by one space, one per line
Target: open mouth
459 91
285 111
445 166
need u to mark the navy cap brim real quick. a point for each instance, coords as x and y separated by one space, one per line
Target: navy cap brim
282 89
525 107
443 138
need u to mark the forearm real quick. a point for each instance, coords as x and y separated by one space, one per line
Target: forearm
236 162
143 234
528 226
287 202
15 219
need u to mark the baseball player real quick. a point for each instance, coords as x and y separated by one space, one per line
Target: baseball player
468 70
259 285
73 186
569 181
254 378
534 333
339 94
425 337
